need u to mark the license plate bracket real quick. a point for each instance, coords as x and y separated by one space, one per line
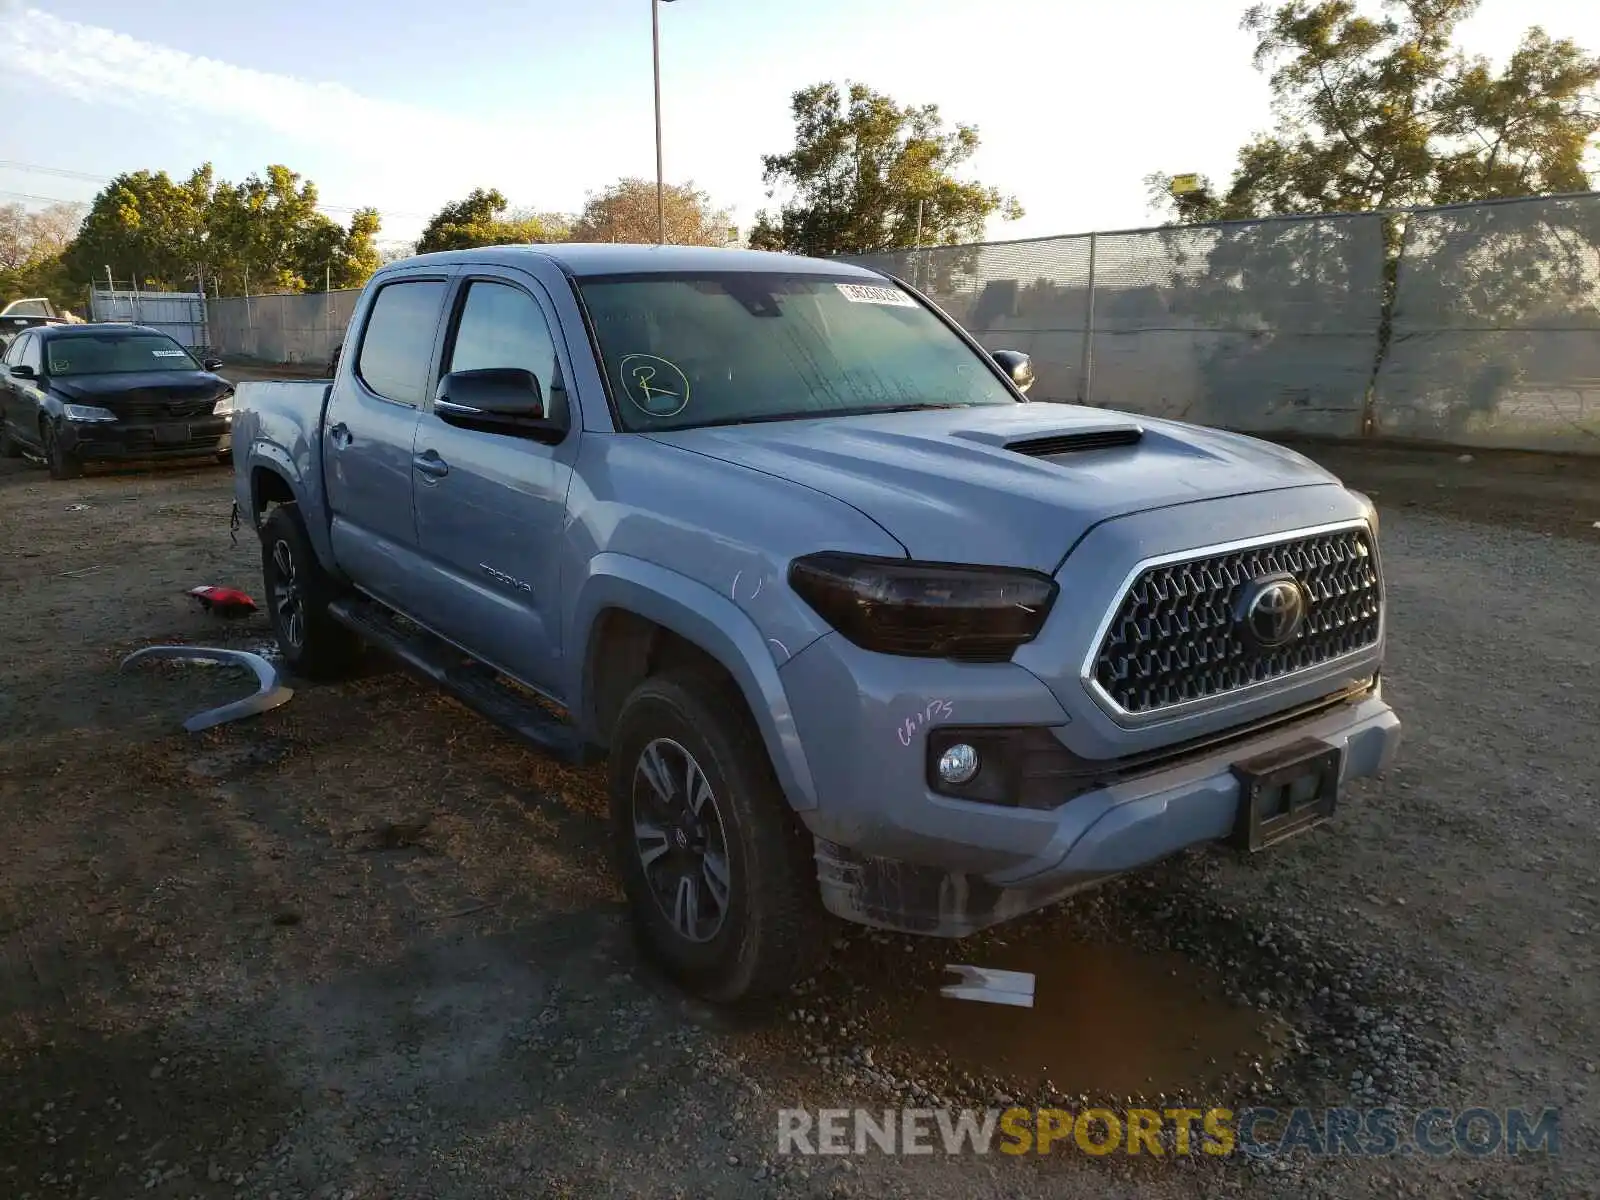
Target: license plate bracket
1285 792
171 435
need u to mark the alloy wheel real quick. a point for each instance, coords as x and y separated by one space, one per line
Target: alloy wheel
681 840
284 594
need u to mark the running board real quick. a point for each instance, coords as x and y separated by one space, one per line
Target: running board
478 687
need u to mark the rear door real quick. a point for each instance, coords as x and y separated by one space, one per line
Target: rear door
369 429
490 506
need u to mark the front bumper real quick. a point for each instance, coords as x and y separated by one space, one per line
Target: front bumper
895 853
94 441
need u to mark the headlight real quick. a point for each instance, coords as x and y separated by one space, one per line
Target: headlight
224 405
88 412
925 610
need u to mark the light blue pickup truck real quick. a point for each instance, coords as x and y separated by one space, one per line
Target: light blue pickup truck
860 630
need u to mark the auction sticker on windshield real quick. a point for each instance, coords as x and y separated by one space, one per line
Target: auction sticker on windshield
863 293
167 353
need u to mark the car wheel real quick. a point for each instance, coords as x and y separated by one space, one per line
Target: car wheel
62 465
9 446
719 873
298 592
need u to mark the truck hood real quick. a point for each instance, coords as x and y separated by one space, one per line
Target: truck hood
1005 486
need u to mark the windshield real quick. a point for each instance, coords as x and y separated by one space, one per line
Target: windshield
727 347
115 353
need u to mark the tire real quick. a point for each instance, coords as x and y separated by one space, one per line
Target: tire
62 465
767 931
298 592
9 446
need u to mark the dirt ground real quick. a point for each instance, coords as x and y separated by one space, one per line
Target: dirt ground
367 946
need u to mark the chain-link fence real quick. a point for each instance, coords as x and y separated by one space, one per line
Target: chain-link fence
281 329
1496 328
1476 325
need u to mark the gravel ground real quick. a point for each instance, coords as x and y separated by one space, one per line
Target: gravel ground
365 946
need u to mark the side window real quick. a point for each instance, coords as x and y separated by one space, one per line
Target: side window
503 326
13 353
398 340
33 354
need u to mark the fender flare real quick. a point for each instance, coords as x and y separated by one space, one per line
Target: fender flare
717 626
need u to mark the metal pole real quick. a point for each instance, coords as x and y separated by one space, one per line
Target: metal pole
655 51
919 224
1086 373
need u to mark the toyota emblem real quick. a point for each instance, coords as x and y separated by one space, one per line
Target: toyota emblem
1272 611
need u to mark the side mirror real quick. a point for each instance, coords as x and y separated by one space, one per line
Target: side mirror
211 364
24 371
1018 366
495 400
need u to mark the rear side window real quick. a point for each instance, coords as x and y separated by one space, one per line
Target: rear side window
398 340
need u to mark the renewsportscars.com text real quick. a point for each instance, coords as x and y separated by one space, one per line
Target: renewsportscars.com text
1255 1132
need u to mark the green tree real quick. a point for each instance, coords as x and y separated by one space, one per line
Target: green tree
626 212
1377 113
143 226
865 173
260 231
1384 111
263 235
482 219
329 255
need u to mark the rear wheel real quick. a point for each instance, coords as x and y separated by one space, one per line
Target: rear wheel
719 873
62 464
298 592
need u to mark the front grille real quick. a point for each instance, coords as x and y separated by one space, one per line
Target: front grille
1176 637
161 408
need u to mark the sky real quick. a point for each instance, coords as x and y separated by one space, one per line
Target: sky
405 105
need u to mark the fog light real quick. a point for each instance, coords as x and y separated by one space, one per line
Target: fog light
958 764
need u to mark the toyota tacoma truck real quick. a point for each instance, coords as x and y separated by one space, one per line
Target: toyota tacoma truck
859 630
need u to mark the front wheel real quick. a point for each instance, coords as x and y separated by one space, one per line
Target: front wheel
298 593
62 464
719 873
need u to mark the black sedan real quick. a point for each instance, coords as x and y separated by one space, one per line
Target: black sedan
82 393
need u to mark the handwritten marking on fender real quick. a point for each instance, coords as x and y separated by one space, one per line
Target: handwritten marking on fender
936 710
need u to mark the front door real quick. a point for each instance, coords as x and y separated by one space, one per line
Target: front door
368 431
491 507
19 397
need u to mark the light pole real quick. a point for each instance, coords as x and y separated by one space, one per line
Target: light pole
655 50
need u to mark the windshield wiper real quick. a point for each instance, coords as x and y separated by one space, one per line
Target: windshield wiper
862 410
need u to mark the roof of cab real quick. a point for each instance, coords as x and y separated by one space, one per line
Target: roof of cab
83 328
615 258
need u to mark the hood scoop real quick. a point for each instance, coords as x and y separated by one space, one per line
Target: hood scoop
1050 445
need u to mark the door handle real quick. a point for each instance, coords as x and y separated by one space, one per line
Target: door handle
430 464
340 434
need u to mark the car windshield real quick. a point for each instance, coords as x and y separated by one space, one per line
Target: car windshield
729 347
115 354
